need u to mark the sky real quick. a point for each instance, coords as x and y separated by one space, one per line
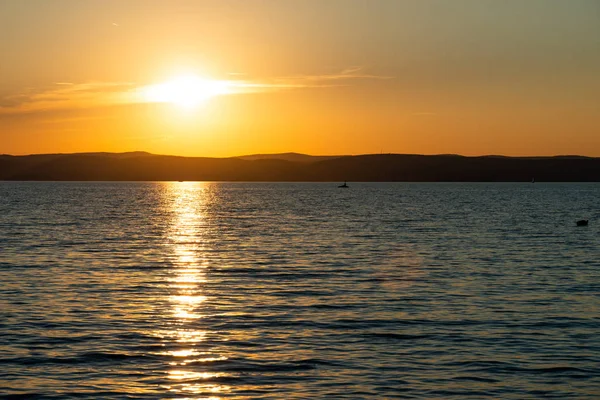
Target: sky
224 78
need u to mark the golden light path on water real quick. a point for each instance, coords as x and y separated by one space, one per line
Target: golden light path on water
188 201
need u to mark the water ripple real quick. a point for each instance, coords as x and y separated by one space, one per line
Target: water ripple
230 290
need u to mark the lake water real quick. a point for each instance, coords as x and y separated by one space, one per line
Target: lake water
296 291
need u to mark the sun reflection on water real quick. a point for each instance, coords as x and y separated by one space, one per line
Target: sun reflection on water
187 243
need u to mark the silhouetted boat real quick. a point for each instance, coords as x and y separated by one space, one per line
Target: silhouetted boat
582 222
532 180
344 185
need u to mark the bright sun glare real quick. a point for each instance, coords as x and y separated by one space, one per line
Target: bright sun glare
187 91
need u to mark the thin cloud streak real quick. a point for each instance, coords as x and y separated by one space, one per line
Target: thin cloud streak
306 81
65 95
70 95
346 74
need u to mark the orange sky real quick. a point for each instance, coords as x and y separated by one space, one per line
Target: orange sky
320 77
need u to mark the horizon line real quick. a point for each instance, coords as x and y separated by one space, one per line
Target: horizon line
294 153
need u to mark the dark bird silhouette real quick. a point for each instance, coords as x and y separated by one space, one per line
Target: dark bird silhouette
582 222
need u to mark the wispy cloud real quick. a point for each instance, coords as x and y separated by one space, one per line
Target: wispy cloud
351 73
345 77
71 95
63 95
341 78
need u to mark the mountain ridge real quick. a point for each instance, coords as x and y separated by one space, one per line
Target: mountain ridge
142 166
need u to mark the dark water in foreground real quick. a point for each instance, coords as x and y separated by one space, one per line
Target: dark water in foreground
289 291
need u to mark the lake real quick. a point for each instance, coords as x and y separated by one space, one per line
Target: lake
191 290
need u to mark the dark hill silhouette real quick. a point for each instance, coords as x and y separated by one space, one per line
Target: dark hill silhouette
294 157
139 166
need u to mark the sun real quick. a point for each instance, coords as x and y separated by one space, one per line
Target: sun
186 91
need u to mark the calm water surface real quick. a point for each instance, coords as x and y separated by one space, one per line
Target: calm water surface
296 291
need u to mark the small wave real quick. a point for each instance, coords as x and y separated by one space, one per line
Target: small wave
68 395
144 267
26 396
6 266
491 366
475 379
333 306
70 339
300 365
86 358
245 343
395 336
563 370
101 356
495 367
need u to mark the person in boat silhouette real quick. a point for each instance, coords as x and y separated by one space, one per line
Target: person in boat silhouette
344 185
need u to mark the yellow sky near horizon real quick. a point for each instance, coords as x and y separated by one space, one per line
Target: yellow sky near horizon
231 77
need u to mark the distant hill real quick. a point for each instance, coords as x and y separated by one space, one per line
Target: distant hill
294 157
114 155
140 166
